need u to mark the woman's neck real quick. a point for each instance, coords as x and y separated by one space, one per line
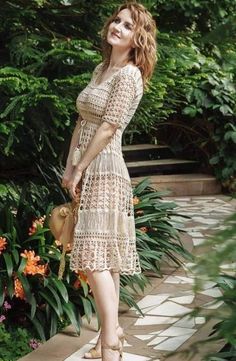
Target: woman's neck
118 59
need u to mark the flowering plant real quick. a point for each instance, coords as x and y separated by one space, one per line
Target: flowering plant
32 296
30 256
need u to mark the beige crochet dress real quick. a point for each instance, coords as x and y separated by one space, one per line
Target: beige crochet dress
104 236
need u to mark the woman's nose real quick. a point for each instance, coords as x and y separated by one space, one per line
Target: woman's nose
117 27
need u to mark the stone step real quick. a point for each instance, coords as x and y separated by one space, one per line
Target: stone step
194 184
161 166
146 151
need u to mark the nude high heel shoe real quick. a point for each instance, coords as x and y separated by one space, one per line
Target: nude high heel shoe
95 354
92 354
117 347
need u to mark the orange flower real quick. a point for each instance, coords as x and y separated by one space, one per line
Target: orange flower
32 267
81 276
143 229
31 256
3 244
41 269
37 223
136 200
18 289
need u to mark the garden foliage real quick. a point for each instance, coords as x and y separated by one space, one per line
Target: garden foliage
16 343
29 261
48 52
219 266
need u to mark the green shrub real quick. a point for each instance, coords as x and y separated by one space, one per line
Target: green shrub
29 263
158 237
45 62
15 344
191 104
217 265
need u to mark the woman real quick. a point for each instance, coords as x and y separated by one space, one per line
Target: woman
104 238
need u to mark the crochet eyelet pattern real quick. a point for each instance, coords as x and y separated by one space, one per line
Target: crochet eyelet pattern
104 236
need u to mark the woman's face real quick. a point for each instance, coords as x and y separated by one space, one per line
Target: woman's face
121 30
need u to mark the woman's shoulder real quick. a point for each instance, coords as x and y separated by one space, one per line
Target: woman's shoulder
131 71
97 68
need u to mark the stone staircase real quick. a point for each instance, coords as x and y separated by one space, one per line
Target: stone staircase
180 176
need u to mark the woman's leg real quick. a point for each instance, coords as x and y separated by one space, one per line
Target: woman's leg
116 280
102 284
119 330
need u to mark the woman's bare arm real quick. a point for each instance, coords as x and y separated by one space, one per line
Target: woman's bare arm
101 138
74 142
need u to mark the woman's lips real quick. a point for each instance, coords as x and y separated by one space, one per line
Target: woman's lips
114 34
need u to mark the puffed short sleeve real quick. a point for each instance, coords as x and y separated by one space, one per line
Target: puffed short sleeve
120 100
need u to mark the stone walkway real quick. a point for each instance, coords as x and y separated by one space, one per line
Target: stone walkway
165 326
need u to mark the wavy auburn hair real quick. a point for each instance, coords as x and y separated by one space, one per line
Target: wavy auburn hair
143 53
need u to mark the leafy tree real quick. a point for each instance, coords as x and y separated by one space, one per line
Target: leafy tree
48 52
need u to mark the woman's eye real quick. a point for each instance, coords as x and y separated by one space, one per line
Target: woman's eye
117 21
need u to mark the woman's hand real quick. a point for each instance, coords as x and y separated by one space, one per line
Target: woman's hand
75 179
66 178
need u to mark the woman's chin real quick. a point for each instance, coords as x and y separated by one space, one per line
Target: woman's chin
112 42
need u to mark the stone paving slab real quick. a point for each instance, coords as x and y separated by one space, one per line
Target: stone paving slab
165 327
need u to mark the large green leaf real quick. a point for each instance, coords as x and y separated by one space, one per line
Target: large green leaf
141 186
39 235
10 287
91 299
154 194
69 309
9 263
16 256
146 218
126 297
52 253
38 326
85 287
60 287
53 322
87 308
56 297
51 301
2 296
22 264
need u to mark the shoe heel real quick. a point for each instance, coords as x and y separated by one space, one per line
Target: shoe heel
117 348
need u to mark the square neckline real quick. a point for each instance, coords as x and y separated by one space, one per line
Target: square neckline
110 77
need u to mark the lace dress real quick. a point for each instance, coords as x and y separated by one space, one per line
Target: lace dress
104 236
